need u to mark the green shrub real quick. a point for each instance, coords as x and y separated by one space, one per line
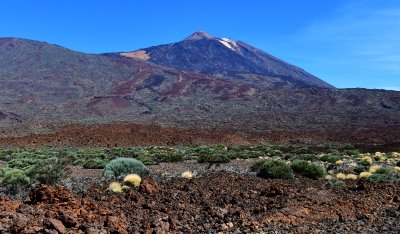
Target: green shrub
94 163
308 169
14 178
275 152
336 183
330 158
48 171
384 170
309 157
275 170
378 178
353 153
359 169
213 158
288 156
121 166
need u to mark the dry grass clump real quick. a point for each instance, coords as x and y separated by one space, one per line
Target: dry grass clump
340 176
328 177
115 187
351 177
339 162
187 175
133 179
373 169
366 161
365 174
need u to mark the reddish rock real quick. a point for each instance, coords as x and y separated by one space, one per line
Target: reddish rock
148 186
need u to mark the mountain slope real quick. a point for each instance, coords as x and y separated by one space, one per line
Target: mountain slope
42 84
233 60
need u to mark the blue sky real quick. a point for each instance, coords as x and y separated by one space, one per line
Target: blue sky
348 43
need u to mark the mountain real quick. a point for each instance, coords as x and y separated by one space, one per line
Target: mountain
44 87
233 60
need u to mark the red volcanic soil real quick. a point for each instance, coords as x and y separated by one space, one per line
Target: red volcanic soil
128 134
218 202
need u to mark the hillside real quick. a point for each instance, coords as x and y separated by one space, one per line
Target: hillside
43 86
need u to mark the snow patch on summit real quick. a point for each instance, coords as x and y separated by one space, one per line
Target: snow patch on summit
229 43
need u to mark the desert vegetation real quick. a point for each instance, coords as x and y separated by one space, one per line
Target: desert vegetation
166 179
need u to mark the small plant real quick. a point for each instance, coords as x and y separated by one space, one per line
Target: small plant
308 169
384 170
275 170
331 158
187 175
213 158
378 178
351 177
340 176
115 187
336 183
121 166
366 161
133 179
328 177
14 178
359 169
365 174
373 169
339 162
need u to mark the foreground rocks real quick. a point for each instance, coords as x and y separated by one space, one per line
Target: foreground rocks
218 202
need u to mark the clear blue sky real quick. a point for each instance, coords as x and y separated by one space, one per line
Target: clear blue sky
348 43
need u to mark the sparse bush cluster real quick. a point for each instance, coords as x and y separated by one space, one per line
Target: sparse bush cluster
308 169
123 166
275 170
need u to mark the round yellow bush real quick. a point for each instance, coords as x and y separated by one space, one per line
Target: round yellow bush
339 162
340 176
115 187
373 169
187 175
351 177
365 174
397 169
367 160
328 177
133 179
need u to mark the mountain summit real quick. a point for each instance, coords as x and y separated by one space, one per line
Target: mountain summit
199 35
228 59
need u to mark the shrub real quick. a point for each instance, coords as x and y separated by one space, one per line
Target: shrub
340 176
365 174
328 177
115 187
336 183
121 166
359 169
187 175
331 158
351 177
377 178
275 170
308 169
213 158
94 163
14 178
384 170
339 162
373 169
133 179
366 161
48 171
